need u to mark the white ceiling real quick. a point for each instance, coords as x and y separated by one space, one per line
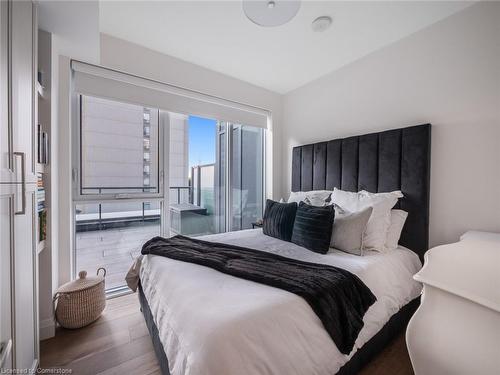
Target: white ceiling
218 36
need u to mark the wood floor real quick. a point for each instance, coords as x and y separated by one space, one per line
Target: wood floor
119 343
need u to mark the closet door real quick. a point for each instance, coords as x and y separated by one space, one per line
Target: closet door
6 249
6 155
7 194
25 288
23 47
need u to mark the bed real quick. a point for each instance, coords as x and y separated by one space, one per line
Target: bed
205 322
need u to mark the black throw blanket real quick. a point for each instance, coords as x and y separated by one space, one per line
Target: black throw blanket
339 298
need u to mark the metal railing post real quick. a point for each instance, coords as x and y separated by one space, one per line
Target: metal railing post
100 213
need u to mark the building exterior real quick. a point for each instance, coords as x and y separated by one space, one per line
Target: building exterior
120 151
178 157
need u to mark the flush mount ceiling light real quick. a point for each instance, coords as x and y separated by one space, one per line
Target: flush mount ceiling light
271 12
321 23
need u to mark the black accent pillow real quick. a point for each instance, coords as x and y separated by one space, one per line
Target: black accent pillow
278 219
313 227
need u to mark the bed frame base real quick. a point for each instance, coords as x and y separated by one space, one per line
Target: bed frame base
377 343
153 332
373 347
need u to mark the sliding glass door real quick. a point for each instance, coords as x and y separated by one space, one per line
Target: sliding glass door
209 204
246 175
192 162
143 172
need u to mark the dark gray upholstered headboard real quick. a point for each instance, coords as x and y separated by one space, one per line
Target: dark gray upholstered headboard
396 159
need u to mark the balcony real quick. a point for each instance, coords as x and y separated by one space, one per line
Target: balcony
110 235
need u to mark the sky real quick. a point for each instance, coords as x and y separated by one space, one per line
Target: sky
201 140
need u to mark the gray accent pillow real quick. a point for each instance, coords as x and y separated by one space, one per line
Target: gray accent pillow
348 230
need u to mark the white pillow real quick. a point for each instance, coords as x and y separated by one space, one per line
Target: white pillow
376 230
398 218
347 200
296 196
315 197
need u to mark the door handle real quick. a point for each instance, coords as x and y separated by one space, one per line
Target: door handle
5 349
23 183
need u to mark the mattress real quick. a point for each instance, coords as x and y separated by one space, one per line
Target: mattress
212 323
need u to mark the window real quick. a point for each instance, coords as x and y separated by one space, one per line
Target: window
120 196
119 148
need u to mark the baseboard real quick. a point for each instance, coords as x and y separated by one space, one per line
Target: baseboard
47 329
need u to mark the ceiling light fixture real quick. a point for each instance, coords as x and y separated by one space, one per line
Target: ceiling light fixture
270 13
321 23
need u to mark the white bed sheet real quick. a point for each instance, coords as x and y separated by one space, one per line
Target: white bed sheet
211 323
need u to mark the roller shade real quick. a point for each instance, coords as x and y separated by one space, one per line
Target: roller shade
111 84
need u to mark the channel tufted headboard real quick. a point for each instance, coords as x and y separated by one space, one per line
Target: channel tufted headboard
396 159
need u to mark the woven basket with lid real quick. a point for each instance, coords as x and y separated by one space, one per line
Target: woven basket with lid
81 301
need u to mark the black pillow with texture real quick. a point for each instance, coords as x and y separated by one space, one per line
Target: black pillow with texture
278 219
313 227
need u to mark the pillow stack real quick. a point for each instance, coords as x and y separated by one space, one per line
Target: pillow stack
347 221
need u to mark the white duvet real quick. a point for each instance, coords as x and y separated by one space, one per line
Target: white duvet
211 323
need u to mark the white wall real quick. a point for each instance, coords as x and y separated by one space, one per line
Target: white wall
75 24
448 75
72 30
63 180
116 53
46 119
